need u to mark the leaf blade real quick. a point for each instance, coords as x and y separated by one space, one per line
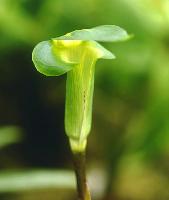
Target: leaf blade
10 135
17 181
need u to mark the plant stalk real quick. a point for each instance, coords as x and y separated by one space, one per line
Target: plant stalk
79 160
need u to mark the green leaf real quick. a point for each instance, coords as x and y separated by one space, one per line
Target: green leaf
10 135
48 63
17 181
104 33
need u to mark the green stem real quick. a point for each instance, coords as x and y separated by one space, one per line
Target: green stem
80 171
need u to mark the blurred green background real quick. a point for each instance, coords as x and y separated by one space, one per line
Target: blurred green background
128 148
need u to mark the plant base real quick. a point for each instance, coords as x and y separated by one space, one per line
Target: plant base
79 160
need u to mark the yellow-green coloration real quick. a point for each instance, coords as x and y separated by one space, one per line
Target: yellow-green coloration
79 87
76 54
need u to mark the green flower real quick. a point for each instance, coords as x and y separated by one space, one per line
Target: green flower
76 54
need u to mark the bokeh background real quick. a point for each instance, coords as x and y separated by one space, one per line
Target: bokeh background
128 148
